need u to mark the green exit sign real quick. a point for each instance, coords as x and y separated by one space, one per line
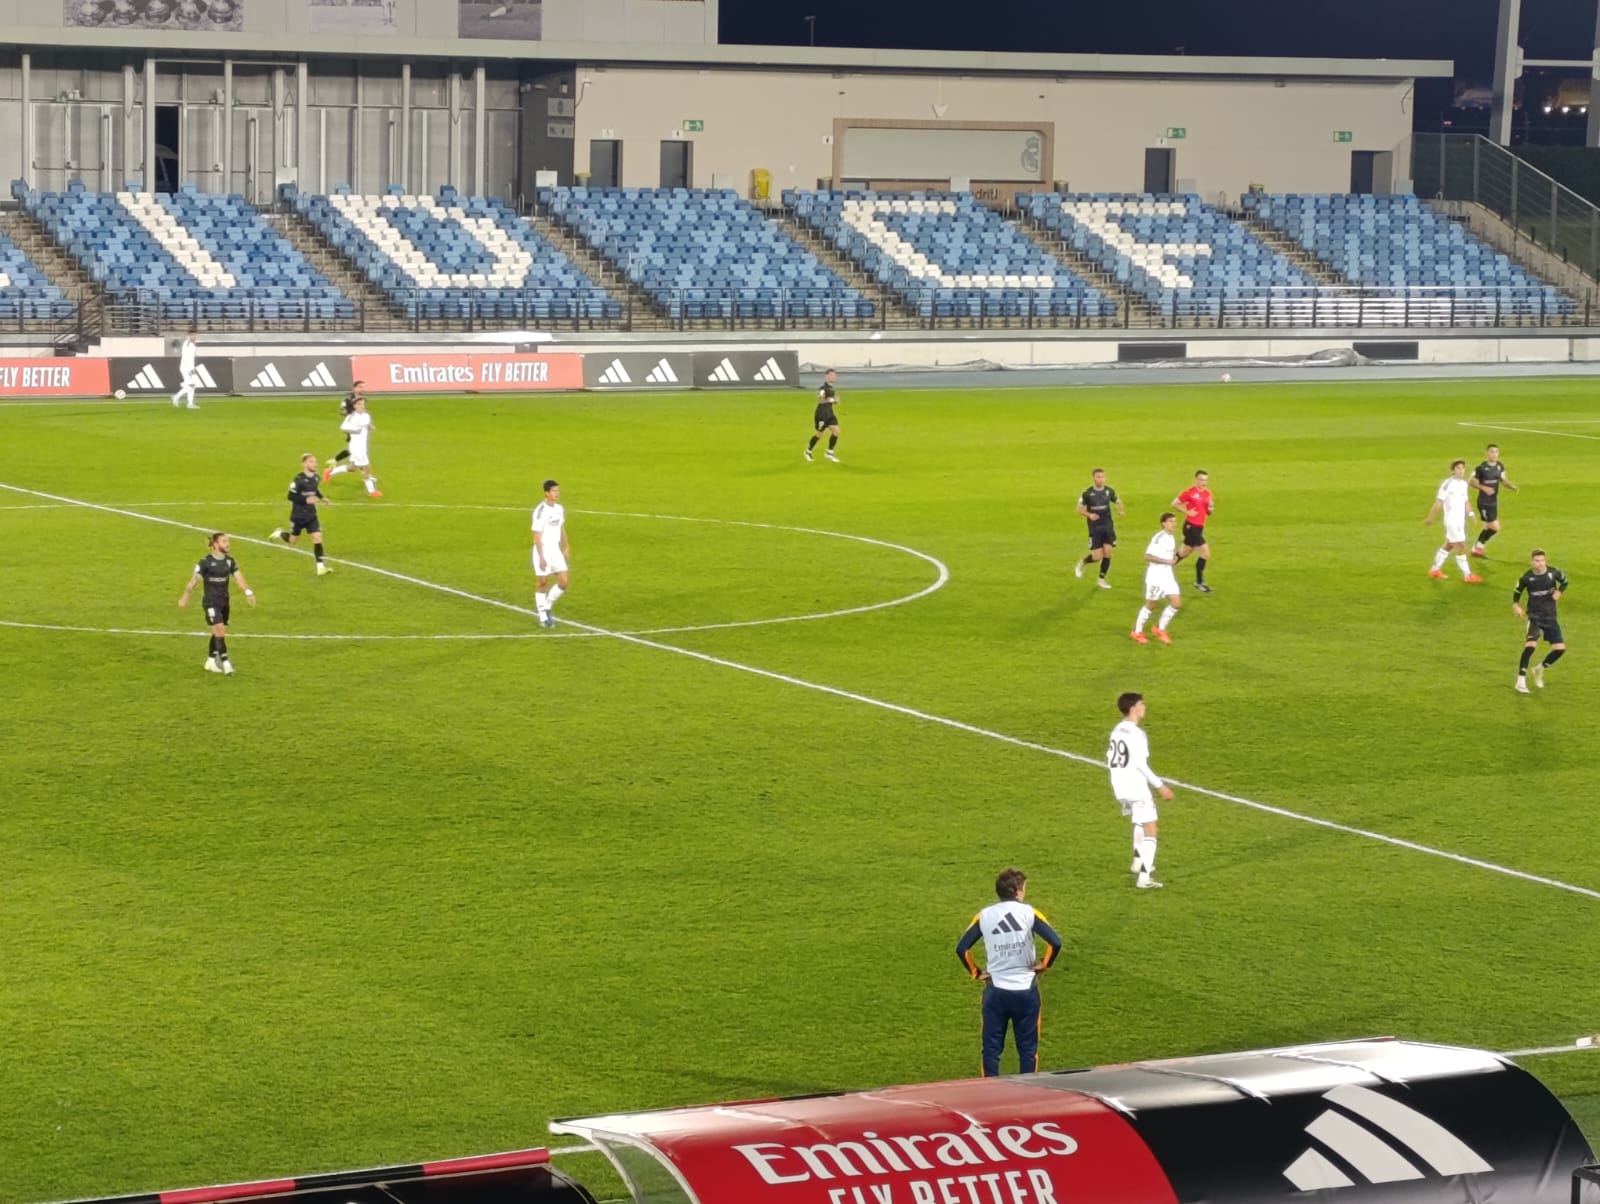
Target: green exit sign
1177 131
694 126
1343 136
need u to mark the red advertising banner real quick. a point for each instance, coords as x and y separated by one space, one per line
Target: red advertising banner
48 376
476 372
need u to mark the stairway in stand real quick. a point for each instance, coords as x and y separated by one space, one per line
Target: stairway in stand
638 307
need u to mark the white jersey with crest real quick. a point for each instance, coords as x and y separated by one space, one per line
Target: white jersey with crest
358 426
1128 759
548 520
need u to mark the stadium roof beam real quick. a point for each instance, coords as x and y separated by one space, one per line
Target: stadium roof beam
1508 65
831 58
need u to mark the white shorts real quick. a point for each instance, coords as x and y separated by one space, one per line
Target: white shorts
1455 532
358 454
1159 585
554 562
1139 810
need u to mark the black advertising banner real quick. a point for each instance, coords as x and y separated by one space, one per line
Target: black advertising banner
746 369
292 374
159 376
638 370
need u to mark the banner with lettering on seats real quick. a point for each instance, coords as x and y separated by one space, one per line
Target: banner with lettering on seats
478 372
746 369
53 376
292 374
638 370
159 376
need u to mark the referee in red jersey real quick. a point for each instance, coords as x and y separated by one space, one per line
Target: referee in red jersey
1197 504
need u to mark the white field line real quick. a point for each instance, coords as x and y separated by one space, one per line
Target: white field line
1526 430
879 704
941 570
1581 1045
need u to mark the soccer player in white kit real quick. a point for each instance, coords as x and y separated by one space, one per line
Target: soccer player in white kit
359 426
1132 780
550 552
1160 582
187 371
1450 504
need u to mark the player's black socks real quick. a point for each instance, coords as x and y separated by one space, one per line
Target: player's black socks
211 649
283 535
833 442
222 647
1199 570
1105 565
343 455
813 442
1486 535
1553 656
316 549
1089 559
1527 655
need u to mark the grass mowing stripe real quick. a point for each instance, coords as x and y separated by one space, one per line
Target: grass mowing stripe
866 700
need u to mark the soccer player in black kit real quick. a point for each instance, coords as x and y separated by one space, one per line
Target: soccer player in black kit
1095 505
1488 479
1544 584
215 569
358 392
305 496
824 420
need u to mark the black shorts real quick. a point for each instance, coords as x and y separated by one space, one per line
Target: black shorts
1489 507
309 526
216 613
1193 536
1102 535
1549 629
824 418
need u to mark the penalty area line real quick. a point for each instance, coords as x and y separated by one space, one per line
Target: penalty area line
876 703
1527 430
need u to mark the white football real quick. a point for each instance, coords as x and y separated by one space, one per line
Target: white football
120 394
1226 377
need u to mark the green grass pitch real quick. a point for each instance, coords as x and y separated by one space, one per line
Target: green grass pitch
376 899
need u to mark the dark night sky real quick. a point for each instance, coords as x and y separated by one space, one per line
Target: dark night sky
1461 30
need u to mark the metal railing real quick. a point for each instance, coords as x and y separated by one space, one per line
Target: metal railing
1468 167
94 317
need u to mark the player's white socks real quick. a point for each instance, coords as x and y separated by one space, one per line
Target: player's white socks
1439 558
1166 617
541 603
1138 861
1147 854
1461 563
371 483
555 592
337 469
1144 617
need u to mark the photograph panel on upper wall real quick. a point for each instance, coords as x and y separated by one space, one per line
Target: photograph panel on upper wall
351 16
499 20
220 16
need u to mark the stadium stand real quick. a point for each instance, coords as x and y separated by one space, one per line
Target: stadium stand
705 254
25 293
949 256
194 257
1184 257
1400 243
456 257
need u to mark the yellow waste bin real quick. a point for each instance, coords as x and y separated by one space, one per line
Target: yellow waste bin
760 184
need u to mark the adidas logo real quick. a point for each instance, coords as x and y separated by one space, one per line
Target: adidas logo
203 377
320 378
616 374
662 374
724 373
269 378
770 371
1007 924
1381 1140
147 378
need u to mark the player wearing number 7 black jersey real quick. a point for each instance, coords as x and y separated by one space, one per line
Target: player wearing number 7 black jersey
1132 780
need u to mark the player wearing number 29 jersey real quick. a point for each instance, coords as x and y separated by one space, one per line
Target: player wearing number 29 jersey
1132 780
